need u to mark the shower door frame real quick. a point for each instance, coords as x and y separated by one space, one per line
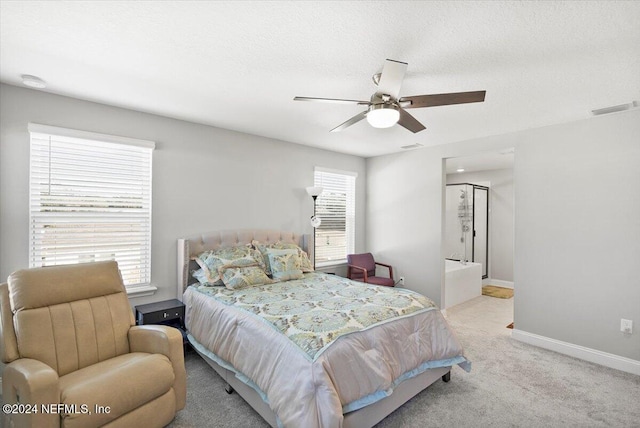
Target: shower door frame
473 224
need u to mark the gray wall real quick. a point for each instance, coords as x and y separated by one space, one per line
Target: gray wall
204 178
500 217
577 234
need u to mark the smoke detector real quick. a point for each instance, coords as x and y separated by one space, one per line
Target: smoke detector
33 81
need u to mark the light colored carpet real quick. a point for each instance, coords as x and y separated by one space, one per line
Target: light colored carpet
511 384
495 291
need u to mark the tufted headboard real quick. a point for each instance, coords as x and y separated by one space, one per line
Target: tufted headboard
194 245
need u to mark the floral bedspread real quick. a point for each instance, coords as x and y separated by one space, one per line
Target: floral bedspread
276 339
315 311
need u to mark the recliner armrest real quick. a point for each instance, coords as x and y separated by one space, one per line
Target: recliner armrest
30 382
165 340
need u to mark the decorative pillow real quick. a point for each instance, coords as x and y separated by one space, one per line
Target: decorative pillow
211 261
236 277
285 264
263 250
201 276
305 263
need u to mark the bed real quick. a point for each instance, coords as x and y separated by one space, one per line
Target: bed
317 350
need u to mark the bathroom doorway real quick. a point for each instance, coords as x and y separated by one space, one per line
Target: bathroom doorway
478 222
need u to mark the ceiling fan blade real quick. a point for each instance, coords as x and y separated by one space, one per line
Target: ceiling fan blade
391 78
418 101
331 100
355 119
409 122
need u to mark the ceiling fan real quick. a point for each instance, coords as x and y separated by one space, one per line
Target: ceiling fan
386 108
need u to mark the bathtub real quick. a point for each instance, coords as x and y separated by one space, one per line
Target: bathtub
461 282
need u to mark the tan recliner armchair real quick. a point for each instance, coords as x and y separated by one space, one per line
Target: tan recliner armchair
68 336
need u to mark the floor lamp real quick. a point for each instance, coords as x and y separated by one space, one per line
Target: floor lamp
314 192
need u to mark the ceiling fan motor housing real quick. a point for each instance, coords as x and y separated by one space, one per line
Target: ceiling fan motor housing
387 108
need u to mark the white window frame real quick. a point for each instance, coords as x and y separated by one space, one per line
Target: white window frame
333 182
112 196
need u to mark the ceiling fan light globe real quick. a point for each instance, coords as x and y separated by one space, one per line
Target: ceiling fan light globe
383 116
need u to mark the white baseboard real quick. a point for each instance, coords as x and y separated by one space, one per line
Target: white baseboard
592 355
497 282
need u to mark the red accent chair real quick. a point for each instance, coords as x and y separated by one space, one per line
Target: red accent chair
362 267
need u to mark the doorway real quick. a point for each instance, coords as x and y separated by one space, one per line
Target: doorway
486 180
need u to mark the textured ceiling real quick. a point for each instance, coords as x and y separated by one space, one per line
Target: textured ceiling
238 65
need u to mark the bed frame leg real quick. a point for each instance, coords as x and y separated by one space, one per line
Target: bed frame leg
446 377
229 389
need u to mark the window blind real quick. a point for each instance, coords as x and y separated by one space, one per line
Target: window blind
335 238
90 200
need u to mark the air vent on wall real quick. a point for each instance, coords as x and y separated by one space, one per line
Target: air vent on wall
615 109
411 146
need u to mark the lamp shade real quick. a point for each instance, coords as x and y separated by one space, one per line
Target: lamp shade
314 191
383 115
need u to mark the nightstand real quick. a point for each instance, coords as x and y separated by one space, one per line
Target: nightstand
167 312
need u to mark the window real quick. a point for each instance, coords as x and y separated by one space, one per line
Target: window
90 200
336 207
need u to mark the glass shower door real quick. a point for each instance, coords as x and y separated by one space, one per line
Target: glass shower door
458 224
